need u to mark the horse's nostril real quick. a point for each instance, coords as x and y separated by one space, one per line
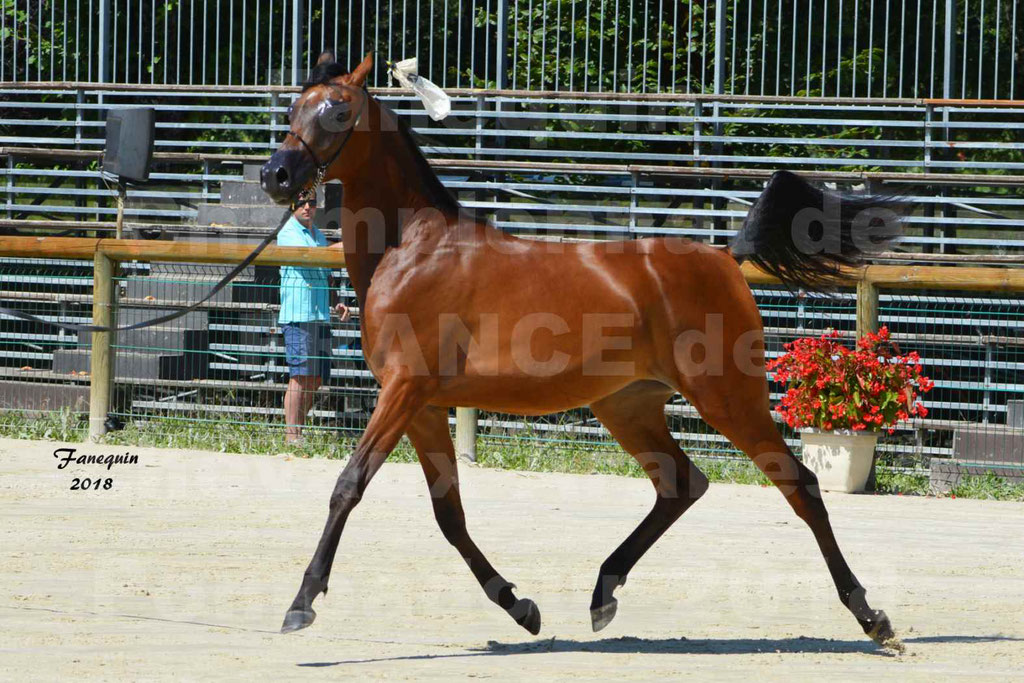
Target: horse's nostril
281 176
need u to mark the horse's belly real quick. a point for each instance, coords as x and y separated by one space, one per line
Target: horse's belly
529 395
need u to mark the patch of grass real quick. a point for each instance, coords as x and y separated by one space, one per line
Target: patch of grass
57 425
545 455
226 436
526 451
729 471
583 457
221 435
211 434
988 487
894 481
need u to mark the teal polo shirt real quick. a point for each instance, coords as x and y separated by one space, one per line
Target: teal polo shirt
304 294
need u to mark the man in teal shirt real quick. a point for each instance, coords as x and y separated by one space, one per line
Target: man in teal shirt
305 317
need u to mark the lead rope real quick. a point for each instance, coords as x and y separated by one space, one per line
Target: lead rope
170 316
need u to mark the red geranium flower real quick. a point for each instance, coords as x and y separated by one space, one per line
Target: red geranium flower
834 387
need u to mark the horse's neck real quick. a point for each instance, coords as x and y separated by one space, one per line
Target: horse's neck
375 204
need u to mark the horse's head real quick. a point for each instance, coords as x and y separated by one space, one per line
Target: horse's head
323 122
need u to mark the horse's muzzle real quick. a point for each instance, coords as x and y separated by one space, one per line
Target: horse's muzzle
284 174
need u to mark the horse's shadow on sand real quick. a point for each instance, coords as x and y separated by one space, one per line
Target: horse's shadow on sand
678 646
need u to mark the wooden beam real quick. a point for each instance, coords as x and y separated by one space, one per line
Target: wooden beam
167 251
972 278
49 247
947 277
101 360
867 308
214 252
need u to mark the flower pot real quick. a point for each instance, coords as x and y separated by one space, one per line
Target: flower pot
841 459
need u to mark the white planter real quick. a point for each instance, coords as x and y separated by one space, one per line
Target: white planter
840 459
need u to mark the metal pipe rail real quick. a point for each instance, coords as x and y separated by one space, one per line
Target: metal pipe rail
498 165
697 45
651 164
559 95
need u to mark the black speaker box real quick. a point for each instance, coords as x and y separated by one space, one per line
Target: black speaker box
129 143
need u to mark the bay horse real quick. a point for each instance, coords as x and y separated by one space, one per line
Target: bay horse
458 313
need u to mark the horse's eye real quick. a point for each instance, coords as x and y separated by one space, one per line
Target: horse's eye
334 114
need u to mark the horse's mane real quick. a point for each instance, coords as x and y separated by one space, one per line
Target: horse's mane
439 195
322 74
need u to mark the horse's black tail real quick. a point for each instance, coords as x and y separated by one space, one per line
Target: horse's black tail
804 236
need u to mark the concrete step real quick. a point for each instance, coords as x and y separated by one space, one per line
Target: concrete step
991 445
1015 414
249 239
264 288
246 192
262 291
33 396
255 216
211 272
193 320
944 474
159 339
175 291
214 271
251 171
134 365
240 215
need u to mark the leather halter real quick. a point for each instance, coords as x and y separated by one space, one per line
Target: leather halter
321 169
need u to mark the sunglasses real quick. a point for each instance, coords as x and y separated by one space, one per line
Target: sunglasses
305 202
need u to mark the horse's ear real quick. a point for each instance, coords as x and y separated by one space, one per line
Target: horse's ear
326 57
359 74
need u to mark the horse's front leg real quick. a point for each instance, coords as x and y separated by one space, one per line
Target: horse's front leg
397 403
432 439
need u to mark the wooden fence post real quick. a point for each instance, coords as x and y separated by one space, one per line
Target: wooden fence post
867 307
101 367
465 433
867 321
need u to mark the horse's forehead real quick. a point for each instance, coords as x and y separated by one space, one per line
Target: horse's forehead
314 95
319 93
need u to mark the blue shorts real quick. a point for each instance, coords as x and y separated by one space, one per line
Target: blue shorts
307 349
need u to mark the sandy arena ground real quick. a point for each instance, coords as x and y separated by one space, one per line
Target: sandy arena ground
184 568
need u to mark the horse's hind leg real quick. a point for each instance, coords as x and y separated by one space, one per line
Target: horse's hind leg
737 406
433 442
635 416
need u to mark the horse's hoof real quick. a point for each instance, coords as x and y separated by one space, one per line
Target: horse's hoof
603 615
529 615
883 634
297 619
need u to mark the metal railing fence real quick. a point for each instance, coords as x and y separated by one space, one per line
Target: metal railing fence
853 48
549 163
223 366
